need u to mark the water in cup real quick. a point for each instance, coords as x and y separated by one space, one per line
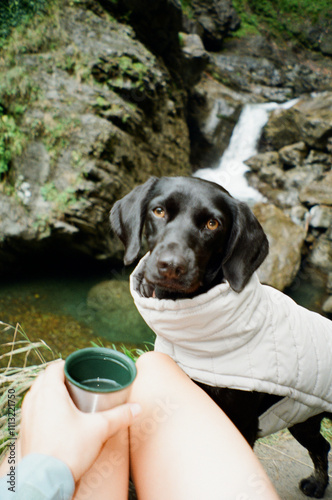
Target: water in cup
101 383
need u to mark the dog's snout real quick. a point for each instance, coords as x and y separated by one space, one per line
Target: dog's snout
171 266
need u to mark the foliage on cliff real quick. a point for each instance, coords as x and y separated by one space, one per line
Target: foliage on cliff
299 20
14 12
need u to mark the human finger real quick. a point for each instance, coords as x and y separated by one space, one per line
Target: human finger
111 421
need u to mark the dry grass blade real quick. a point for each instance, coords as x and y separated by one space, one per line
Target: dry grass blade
17 379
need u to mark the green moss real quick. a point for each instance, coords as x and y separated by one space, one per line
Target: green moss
60 199
124 74
123 68
249 21
57 134
187 8
76 62
17 90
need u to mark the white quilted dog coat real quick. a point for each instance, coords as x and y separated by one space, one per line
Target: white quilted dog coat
255 340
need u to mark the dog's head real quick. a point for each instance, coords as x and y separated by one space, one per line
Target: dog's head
197 233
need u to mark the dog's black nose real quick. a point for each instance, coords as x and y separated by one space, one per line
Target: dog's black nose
171 266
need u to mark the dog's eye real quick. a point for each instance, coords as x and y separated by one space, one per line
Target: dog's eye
212 224
159 212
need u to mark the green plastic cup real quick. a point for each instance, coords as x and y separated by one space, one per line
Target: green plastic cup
98 378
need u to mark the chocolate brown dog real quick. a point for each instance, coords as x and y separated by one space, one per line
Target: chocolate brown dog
200 238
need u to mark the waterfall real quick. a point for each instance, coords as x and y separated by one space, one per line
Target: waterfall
230 173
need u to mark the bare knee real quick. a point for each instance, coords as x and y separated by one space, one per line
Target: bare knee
157 374
152 361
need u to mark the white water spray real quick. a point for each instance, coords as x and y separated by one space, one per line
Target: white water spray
230 172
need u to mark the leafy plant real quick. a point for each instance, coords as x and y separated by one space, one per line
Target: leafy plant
61 199
12 141
57 133
14 12
123 70
280 17
16 91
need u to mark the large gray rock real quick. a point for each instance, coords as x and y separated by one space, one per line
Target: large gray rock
216 19
194 58
318 192
326 43
293 174
158 25
106 117
310 121
285 240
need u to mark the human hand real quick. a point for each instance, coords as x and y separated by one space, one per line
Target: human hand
52 424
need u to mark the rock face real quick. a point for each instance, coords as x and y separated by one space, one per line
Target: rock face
215 18
158 25
310 121
269 72
194 59
105 116
285 240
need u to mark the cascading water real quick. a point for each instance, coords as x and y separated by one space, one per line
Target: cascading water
230 172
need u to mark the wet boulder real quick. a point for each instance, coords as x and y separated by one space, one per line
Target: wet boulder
113 306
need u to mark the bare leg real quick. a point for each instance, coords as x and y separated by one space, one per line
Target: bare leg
183 446
108 478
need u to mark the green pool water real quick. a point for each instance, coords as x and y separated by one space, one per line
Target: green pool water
54 307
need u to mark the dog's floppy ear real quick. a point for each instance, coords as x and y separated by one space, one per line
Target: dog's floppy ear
247 248
127 219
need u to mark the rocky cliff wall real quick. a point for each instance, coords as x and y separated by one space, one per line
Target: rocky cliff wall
99 114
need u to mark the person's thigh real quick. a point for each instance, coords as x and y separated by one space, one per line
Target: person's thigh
182 446
108 477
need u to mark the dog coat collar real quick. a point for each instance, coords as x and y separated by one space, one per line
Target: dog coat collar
255 340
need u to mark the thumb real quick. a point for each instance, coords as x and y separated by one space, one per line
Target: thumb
117 418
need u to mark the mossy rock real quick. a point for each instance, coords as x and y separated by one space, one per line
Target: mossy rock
101 114
115 308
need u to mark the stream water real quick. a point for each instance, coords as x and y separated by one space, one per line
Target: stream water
231 170
54 306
